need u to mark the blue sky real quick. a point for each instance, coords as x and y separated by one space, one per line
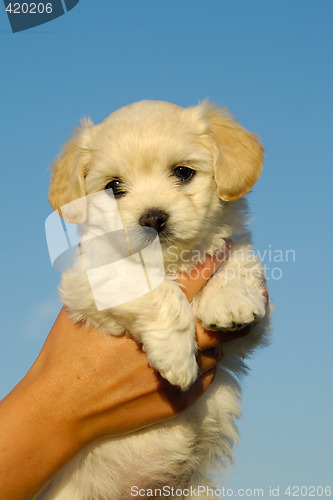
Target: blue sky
271 64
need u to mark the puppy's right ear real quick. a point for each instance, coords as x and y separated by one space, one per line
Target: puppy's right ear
68 176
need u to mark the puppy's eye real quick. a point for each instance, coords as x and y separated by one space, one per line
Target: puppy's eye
117 187
183 173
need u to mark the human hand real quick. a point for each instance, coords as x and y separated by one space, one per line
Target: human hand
102 385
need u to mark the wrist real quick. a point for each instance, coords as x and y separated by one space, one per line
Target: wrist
33 436
46 392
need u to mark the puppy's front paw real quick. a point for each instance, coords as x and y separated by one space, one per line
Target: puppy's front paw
182 375
175 360
230 308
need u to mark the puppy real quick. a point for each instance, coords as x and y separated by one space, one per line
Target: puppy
182 174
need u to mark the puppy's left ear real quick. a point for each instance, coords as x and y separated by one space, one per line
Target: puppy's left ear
239 156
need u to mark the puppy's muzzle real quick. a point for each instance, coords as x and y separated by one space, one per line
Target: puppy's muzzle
157 219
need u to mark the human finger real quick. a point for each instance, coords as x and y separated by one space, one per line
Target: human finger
207 339
208 359
196 278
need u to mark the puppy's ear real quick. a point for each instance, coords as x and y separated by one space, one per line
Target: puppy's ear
68 176
239 158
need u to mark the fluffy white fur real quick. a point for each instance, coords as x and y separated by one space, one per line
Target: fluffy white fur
142 144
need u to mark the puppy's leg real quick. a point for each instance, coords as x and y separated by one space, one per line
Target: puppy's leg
163 323
235 296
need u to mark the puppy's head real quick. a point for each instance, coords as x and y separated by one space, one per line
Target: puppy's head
168 167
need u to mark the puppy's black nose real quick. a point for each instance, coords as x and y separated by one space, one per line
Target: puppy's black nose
156 219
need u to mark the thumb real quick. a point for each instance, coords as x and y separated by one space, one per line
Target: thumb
197 277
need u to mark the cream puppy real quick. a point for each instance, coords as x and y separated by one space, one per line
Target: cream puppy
180 174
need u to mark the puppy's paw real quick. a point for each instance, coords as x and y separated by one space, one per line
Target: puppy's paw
174 359
231 308
182 375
